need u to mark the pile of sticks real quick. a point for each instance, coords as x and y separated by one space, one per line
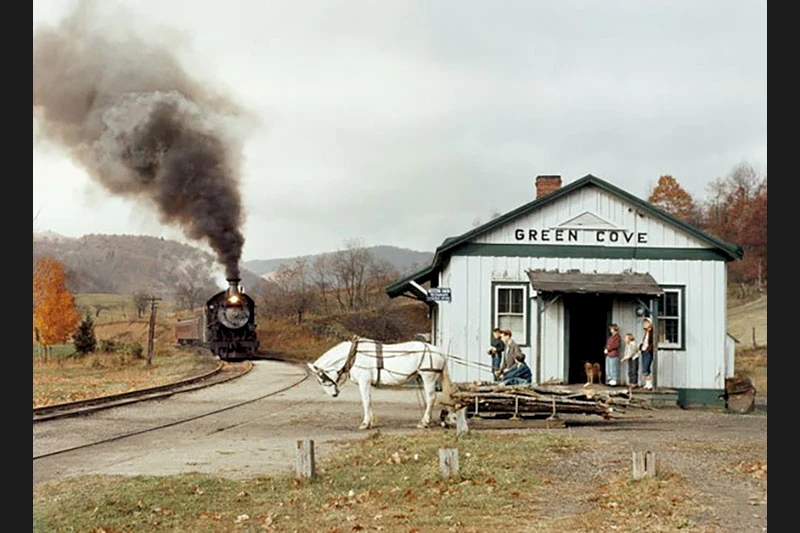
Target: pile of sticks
490 399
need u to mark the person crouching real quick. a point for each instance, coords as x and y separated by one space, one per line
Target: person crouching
519 373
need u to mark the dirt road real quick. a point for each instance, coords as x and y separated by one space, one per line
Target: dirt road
715 450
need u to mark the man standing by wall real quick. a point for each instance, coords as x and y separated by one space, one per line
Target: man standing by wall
496 351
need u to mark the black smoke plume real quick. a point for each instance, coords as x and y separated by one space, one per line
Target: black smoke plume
123 107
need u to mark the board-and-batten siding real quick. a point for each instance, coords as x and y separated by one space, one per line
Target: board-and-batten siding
465 323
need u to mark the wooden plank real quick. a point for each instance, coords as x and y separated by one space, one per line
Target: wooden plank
520 423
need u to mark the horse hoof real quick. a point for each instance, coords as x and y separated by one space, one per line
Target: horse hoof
364 426
422 426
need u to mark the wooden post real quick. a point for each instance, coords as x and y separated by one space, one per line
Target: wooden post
448 462
644 465
304 459
461 422
754 339
152 331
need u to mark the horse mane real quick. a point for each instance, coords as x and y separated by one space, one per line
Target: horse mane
334 357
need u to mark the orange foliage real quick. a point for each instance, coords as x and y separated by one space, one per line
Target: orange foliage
55 316
670 197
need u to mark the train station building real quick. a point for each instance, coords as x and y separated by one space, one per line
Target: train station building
560 269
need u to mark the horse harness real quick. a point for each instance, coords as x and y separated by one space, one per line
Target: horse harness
351 358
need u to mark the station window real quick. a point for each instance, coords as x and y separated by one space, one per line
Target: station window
510 311
671 318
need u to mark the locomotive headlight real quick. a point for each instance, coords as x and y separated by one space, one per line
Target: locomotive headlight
234 294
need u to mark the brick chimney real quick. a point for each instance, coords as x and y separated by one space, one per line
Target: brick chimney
547 184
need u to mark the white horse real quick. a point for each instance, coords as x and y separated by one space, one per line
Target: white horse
371 363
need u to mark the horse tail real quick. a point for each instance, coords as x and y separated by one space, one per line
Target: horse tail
444 381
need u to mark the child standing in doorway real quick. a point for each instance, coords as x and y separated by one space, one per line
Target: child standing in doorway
612 355
631 355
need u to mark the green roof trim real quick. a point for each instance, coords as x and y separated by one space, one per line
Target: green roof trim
589 252
721 249
420 276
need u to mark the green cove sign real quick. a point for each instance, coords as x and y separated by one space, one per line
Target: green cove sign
614 236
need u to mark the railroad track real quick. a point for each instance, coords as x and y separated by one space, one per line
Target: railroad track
224 372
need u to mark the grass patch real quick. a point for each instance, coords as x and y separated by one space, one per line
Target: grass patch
69 378
753 364
388 483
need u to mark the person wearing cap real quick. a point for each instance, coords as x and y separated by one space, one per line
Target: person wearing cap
512 350
646 347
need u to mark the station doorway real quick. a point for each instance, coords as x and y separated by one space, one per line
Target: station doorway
587 319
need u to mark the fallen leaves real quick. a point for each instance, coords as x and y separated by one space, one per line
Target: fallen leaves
757 469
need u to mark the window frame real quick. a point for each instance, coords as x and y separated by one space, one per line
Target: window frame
524 340
680 290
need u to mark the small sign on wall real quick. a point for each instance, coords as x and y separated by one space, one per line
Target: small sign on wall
439 294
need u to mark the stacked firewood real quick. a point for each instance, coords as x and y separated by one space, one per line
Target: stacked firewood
491 399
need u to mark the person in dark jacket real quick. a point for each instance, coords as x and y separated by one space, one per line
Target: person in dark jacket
612 355
496 351
519 373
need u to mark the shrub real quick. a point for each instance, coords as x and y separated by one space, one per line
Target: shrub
84 338
108 345
135 349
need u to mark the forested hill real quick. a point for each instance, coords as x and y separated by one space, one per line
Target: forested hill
403 259
126 264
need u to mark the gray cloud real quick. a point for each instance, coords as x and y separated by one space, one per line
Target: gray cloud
401 123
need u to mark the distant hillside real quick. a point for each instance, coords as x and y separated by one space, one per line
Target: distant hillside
403 259
126 264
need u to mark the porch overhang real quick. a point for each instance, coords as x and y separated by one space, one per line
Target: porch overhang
575 282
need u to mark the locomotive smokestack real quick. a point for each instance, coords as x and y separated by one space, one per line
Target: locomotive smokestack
234 295
122 106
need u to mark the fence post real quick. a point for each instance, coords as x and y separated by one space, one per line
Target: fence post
644 465
448 462
461 422
304 459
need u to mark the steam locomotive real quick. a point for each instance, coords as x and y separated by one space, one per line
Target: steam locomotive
227 327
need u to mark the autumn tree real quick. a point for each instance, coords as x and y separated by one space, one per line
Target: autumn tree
736 212
293 293
195 281
671 198
141 302
349 268
322 279
55 315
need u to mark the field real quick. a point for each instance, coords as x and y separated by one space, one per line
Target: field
747 322
65 376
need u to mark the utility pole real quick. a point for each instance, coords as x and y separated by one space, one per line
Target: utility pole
152 332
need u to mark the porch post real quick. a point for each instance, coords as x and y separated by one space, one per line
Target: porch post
539 315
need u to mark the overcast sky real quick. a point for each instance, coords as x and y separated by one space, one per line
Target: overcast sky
403 122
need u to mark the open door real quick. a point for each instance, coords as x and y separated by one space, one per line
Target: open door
587 319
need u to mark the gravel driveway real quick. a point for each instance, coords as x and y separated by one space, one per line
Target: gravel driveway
717 451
